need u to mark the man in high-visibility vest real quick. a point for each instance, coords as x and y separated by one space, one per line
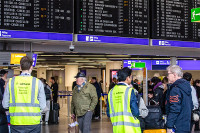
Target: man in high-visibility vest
24 96
122 105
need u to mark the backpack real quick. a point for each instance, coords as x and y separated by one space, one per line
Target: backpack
47 92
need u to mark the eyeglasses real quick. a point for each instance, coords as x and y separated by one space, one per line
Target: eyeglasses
170 73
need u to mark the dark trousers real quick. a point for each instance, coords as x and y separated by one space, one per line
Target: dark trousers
55 98
196 126
4 128
97 110
26 129
85 122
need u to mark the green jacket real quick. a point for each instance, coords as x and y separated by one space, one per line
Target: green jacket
84 100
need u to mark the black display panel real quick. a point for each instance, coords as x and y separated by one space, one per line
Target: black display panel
37 15
171 19
112 17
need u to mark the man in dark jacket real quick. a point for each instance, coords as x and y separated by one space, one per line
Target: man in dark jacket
3 79
179 103
113 83
3 117
99 91
54 88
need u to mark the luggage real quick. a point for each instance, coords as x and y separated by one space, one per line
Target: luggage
53 118
54 114
155 131
154 120
56 106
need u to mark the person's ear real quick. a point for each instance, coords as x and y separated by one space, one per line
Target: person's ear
127 78
31 68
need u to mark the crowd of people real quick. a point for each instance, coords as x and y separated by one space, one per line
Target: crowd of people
177 96
23 97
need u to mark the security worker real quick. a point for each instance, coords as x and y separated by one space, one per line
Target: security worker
122 105
25 98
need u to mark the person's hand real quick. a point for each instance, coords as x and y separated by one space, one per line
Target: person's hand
150 95
169 131
73 116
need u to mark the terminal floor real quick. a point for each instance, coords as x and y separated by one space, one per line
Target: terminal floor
101 126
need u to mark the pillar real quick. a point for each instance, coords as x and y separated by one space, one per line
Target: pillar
70 72
110 66
16 72
173 60
41 73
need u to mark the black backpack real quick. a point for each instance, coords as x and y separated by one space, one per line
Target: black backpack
154 120
47 93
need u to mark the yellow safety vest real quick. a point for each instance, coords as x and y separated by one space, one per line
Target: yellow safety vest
24 106
120 112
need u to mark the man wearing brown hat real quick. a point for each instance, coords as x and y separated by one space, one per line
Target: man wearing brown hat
84 101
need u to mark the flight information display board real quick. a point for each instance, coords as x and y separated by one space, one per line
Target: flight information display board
37 15
128 18
171 19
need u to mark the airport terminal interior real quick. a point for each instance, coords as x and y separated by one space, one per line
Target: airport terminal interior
98 38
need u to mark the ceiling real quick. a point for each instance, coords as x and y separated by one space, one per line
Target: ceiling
55 55
87 60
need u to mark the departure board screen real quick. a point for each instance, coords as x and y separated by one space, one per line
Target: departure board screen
171 19
112 17
37 15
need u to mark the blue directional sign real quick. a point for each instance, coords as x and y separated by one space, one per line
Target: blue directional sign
35 35
176 43
110 39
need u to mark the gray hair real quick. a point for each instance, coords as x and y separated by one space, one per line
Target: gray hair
175 69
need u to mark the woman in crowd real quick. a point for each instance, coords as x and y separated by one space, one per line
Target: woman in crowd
157 97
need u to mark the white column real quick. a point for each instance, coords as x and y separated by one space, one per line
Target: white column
41 73
173 60
110 66
70 72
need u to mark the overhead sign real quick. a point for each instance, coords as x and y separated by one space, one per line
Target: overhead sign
176 43
138 65
162 62
110 39
35 35
127 63
195 15
112 18
16 57
34 59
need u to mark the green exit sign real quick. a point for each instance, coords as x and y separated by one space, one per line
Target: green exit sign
195 15
138 65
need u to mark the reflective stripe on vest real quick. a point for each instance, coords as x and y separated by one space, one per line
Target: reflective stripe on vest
24 111
25 114
120 112
32 104
126 113
126 124
125 105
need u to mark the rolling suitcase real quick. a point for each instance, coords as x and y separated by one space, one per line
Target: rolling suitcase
155 131
53 118
54 115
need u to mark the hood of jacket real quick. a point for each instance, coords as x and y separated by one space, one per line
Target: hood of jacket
183 84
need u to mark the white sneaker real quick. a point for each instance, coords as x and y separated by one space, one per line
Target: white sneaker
41 122
46 123
96 118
